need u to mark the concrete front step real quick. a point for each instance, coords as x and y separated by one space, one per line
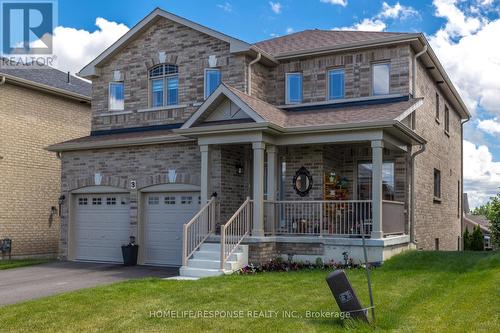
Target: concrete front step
214 255
200 272
212 264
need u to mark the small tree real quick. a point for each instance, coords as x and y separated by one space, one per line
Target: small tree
494 218
477 239
467 240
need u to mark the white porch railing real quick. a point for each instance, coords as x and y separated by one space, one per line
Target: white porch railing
343 218
233 232
197 230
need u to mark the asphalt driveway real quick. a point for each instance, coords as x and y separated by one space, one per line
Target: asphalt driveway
21 284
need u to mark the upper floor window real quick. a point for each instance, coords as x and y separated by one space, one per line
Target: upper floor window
446 119
116 96
212 80
437 107
336 83
380 79
437 184
293 88
164 85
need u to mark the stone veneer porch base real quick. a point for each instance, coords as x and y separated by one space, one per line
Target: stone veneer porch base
307 248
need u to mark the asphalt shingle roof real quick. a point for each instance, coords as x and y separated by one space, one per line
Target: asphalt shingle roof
314 39
49 76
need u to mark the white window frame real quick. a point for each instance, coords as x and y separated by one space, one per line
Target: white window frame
287 96
164 79
328 97
110 108
205 76
388 64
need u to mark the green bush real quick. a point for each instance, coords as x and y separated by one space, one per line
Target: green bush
493 216
477 240
467 240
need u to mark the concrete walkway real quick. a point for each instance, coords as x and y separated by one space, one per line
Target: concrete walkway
25 283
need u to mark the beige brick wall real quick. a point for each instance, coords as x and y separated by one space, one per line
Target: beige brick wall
31 120
434 219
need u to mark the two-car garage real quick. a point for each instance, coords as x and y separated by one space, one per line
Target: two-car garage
101 225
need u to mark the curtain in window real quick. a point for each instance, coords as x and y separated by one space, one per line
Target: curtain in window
380 79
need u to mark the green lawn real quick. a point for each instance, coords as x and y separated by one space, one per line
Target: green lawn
6 264
414 292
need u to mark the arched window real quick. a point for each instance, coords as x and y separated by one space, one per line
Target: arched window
164 85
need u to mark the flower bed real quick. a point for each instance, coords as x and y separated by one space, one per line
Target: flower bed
280 265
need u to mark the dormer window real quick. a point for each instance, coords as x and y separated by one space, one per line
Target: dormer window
164 85
380 79
293 88
336 84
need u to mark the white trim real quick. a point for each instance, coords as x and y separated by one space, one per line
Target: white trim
222 90
235 45
162 108
410 110
99 189
171 188
287 99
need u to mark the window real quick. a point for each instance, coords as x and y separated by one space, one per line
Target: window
335 84
380 79
116 98
437 106
365 181
186 200
446 119
96 201
111 201
153 200
169 201
437 184
293 88
82 201
212 80
164 85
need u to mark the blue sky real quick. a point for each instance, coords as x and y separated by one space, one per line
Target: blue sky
463 33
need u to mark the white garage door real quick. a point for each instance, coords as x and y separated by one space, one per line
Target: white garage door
165 214
101 226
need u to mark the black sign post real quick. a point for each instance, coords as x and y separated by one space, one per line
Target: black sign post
344 294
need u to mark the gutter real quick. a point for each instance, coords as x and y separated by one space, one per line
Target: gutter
414 71
462 182
256 60
412 201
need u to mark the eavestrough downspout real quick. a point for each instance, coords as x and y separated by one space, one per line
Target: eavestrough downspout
259 55
412 201
461 202
414 72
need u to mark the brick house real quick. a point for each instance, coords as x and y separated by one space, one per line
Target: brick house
39 106
309 141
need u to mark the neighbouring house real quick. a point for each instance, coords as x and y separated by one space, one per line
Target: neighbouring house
39 106
471 221
309 141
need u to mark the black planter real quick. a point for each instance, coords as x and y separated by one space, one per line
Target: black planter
129 253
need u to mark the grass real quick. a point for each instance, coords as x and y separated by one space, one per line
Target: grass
414 292
6 264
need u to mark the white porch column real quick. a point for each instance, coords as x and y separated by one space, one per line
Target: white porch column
258 188
205 174
377 165
272 163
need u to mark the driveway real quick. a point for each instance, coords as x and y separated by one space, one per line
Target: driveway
21 284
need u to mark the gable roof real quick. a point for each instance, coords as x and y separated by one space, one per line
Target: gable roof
48 78
309 40
235 45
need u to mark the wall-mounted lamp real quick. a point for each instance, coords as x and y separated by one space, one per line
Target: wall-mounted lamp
239 169
61 201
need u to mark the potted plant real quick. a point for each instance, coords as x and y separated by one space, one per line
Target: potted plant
129 252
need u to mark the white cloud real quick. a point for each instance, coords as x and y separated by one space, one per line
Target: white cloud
491 126
481 174
289 30
226 6
76 48
377 22
458 24
397 11
275 7
342 3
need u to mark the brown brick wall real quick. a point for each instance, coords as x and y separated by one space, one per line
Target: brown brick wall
187 48
436 220
30 121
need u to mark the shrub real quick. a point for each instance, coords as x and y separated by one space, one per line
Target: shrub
493 216
477 240
279 265
467 240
